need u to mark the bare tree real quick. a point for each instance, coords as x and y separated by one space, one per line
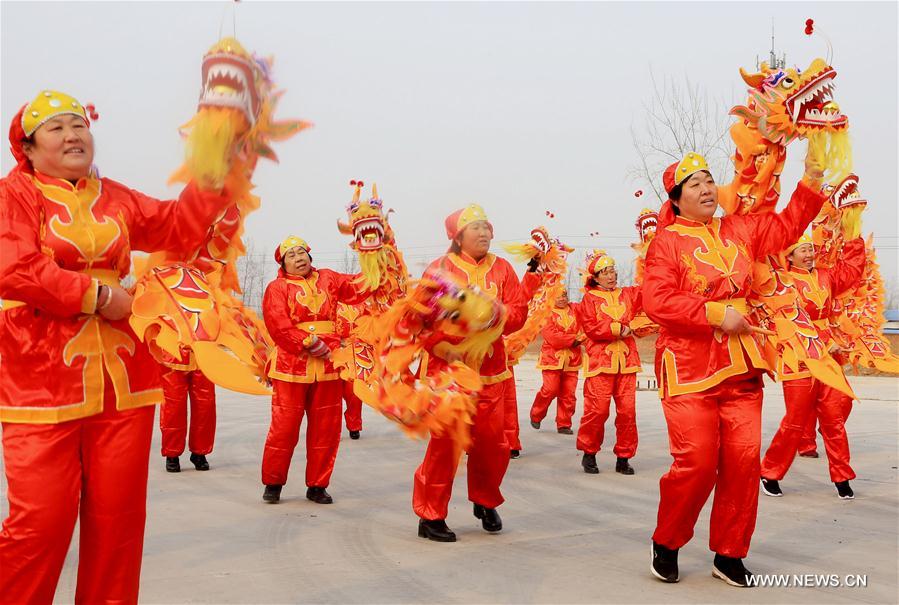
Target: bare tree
251 274
350 262
680 117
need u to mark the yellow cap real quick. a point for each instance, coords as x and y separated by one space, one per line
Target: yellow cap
805 239
292 241
49 104
598 260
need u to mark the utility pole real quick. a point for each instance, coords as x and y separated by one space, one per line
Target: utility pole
774 62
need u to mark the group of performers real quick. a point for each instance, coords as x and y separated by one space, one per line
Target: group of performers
76 441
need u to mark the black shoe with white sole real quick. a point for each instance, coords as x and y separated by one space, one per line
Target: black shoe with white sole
844 491
565 430
535 424
771 487
731 570
664 563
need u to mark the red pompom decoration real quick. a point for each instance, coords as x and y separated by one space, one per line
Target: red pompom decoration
92 112
809 27
638 193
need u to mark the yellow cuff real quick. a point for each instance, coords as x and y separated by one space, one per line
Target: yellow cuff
714 312
89 300
615 327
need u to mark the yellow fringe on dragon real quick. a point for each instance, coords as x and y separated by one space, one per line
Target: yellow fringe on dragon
428 347
551 256
188 303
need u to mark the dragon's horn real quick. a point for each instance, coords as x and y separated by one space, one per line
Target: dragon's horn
755 80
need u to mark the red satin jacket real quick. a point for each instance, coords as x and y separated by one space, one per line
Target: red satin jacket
603 313
557 352
694 271
59 243
296 307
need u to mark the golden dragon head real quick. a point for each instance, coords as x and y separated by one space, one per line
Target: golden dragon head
550 250
367 222
786 104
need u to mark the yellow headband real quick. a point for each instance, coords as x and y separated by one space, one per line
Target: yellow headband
47 105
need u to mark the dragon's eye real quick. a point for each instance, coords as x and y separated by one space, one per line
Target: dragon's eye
787 83
460 297
376 203
353 207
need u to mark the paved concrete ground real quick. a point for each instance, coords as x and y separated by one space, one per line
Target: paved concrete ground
568 538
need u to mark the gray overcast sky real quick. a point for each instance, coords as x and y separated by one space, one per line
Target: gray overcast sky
522 107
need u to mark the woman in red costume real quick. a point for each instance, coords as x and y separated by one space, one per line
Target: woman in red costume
605 314
181 379
300 309
708 364
560 361
470 262
805 397
76 385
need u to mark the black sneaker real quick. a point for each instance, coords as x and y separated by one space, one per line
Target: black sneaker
272 494
354 434
565 430
535 424
513 454
731 570
664 563
771 487
623 466
319 495
589 464
199 461
172 464
844 491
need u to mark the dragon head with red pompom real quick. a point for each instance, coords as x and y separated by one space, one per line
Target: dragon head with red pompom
786 104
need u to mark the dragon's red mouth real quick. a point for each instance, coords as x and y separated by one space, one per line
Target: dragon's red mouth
647 225
541 240
846 194
228 81
813 105
369 233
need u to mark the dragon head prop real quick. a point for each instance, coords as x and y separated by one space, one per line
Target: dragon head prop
367 222
647 222
373 239
839 219
786 104
234 124
551 253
